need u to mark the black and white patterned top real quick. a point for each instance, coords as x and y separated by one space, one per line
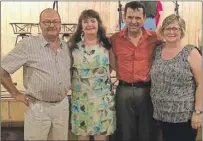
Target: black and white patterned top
173 87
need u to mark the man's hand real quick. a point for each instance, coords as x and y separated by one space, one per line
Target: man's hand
8 84
23 98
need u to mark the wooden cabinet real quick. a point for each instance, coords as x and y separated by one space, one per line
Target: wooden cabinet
11 110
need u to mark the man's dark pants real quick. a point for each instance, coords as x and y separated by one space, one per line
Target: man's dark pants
134 112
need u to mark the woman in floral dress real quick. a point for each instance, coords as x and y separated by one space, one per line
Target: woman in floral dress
93 102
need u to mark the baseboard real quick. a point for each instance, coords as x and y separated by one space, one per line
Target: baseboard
12 124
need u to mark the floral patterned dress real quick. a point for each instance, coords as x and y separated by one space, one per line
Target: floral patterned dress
93 102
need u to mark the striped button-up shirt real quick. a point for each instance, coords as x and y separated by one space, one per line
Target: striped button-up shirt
46 74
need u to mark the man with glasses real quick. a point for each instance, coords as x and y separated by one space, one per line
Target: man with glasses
46 66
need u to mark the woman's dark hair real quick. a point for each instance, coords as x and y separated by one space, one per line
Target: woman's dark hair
76 37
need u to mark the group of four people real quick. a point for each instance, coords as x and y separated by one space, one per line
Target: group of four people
159 80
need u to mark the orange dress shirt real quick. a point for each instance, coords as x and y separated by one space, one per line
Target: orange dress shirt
132 63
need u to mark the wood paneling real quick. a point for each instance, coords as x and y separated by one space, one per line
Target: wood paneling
12 110
4 110
17 111
70 11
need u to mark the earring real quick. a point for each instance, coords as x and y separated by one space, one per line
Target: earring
82 36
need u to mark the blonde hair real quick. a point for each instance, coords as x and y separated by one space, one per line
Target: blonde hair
172 19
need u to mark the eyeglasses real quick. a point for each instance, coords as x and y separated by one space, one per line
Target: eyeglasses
174 29
48 23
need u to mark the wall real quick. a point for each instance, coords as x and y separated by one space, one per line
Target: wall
69 11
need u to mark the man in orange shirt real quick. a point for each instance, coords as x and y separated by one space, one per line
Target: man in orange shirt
132 55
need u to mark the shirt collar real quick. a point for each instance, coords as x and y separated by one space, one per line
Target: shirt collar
145 32
45 43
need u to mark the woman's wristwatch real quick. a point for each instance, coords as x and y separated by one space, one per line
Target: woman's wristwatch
198 112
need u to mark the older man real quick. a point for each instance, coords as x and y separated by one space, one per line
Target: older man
46 66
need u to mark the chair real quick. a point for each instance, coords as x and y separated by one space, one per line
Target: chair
36 29
21 29
67 29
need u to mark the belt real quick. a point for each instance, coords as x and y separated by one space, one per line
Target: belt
138 84
51 101
43 100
